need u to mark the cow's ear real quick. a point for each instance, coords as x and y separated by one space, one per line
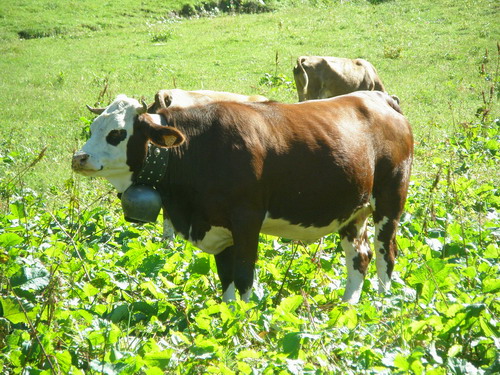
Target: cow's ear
163 99
165 136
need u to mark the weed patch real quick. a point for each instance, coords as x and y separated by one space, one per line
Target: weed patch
213 8
40 33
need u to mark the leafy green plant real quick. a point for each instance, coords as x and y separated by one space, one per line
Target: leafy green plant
162 30
277 82
392 52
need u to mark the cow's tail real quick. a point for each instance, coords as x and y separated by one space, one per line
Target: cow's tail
299 71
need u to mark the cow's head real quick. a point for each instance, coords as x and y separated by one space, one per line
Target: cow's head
119 138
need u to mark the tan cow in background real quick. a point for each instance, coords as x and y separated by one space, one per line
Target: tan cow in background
320 77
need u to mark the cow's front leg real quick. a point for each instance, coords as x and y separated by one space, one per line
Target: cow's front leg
244 274
246 226
236 272
225 269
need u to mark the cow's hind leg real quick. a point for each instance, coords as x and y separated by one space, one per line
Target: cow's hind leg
388 205
354 241
385 250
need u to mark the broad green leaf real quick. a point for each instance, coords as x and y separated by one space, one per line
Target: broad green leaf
203 322
416 326
205 348
454 350
417 367
13 312
221 369
435 371
248 353
201 265
244 368
64 361
34 277
401 363
151 265
159 359
489 329
349 319
153 371
291 344
89 290
428 291
153 289
491 285
17 210
96 338
119 313
10 239
492 251
492 145
290 304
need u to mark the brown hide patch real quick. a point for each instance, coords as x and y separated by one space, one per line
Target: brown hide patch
359 240
361 261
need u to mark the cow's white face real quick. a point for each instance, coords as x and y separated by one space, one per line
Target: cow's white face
105 153
113 149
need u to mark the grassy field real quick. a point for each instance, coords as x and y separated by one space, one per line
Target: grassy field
84 292
428 55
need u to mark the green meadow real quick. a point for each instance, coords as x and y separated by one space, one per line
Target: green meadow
84 292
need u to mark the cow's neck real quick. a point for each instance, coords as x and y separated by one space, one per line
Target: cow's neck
121 182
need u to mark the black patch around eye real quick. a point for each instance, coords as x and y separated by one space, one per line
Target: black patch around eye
114 137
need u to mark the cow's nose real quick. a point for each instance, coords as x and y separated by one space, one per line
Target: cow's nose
79 159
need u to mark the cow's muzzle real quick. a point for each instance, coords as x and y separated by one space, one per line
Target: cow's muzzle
79 161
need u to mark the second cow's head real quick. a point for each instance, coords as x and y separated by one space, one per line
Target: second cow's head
119 139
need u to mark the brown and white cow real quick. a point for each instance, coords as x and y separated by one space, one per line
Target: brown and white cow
299 171
319 77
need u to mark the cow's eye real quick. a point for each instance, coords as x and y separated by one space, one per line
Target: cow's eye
114 137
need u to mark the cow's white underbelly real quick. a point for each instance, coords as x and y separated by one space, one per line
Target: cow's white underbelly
219 238
215 240
283 228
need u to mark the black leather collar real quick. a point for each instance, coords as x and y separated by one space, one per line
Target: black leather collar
154 167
